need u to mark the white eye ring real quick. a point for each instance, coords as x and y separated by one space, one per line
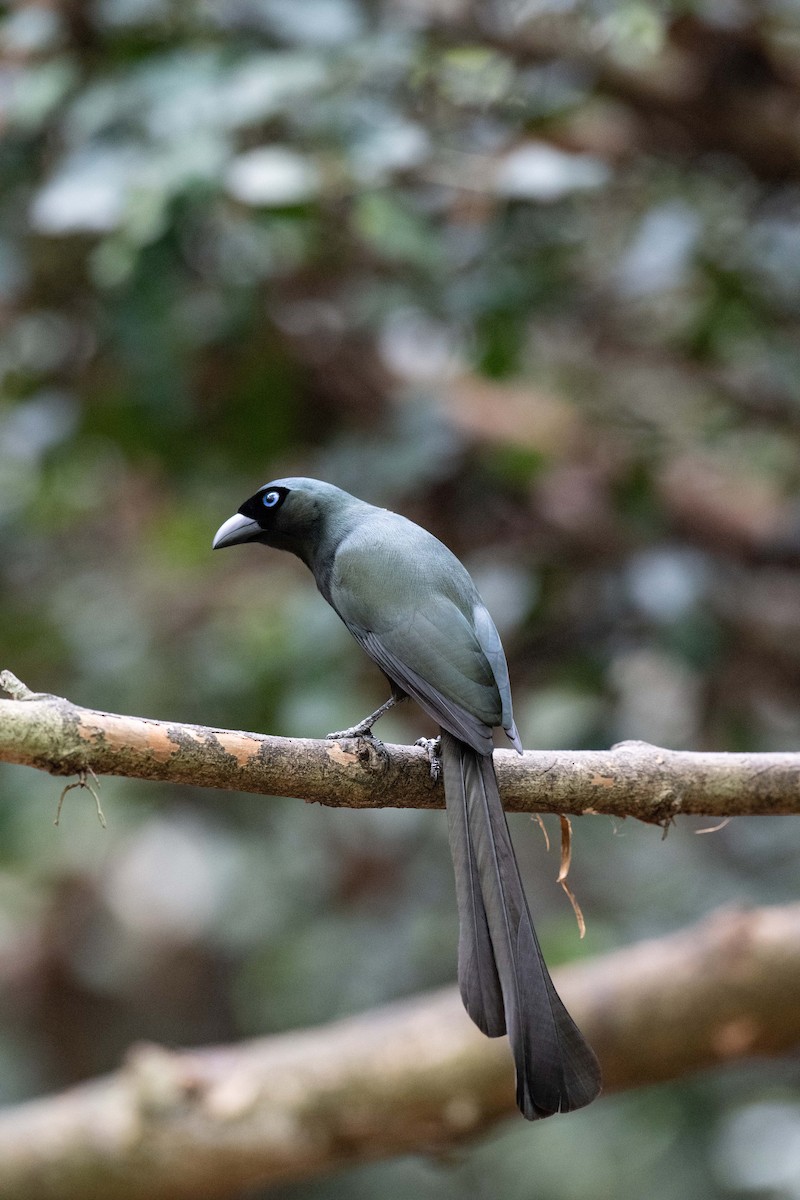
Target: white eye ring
270 499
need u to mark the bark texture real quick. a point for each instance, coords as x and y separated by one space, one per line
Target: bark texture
632 779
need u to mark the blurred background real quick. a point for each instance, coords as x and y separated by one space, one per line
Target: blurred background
528 273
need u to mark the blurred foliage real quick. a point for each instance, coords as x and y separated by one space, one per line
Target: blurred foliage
529 273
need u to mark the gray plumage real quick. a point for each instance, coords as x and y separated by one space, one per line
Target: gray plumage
415 610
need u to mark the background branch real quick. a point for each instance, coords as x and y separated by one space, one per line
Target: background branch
413 1076
632 779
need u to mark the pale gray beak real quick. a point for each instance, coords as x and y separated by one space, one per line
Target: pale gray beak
235 530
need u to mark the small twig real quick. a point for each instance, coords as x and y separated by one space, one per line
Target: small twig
566 861
15 687
81 783
542 826
715 828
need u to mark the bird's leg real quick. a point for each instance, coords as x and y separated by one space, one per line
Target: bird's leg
433 749
364 728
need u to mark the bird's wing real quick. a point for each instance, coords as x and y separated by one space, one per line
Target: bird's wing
445 711
489 638
411 605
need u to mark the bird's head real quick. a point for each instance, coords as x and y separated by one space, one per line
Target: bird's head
289 514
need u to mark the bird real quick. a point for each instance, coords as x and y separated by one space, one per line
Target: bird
415 610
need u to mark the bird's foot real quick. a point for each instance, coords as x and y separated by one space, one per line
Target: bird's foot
364 728
433 749
362 731
371 751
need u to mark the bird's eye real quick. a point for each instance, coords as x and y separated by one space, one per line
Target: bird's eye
270 499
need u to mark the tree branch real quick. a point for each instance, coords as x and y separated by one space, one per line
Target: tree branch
633 779
415 1076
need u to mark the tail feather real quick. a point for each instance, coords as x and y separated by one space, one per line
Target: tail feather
501 968
477 974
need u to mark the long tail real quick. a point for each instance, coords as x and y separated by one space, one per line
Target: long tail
502 975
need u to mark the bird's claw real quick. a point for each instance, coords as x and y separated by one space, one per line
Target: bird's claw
433 749
371 750
356 731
